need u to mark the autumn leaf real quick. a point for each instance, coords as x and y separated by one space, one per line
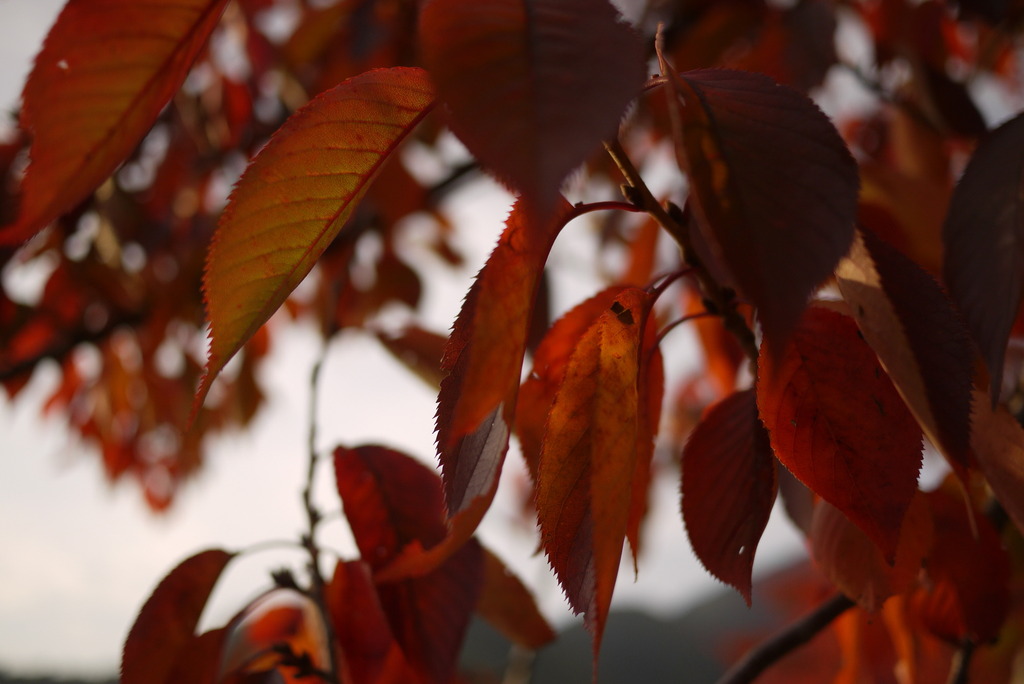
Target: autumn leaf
984 240
95 90
740 136
997 440
728 488
853 562
483 361
836 421
391 500
919 338
167 622
296 196
533 86
588 458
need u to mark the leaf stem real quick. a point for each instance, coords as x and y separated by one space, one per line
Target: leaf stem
314 518
722 299
767 653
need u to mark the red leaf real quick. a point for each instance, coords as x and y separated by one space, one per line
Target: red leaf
166 624
968 592
739 133
419 349
96 88
984 239
852 561
297 195
728 488
588 458
202 666
510 607
919 338
838 424
430 614
370 653
390 500
651 392
533 85
483 359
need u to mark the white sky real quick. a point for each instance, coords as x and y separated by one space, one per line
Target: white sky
78 557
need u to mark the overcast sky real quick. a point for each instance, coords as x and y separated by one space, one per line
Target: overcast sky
78 557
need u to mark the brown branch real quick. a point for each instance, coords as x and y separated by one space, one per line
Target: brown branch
767 653
314 518
722 300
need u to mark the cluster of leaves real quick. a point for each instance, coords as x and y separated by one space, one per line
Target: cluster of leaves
853 292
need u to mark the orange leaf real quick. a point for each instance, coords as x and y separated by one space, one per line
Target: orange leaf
533 85
983 235
483 360
838 424
588 458
918 337
728 488
852 561
651 392
96 89
510 607
736 132
166 624
296 196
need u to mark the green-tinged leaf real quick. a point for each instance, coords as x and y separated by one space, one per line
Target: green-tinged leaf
533 86
106 70
167 622
297 195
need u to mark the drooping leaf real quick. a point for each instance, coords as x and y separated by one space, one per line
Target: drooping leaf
984 240
852 561
95 90
728 487
296 196
419 349
588 458
919 338
839 425
510 607
391 501
739 135
533 86
483 361
167 622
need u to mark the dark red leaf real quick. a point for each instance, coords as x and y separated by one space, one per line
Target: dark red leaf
728 488
390 500
96 89
838 424
533 86
919 338
202 666
167 622
739 135
984 239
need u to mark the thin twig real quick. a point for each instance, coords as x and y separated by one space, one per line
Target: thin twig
767 653
722 299
314 518
960 668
